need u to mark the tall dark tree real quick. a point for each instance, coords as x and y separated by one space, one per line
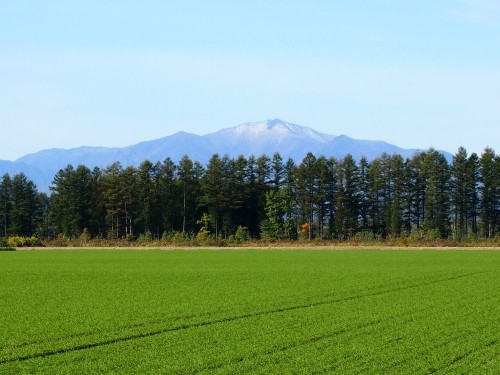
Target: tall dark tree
489 166
73 200
277 171
348 198
465 182
24 206
111 190
98 214
437 193
147 197
324 195
260 177
169 203
213 191
307 192
364 198
5 203
417 186
473 192
234 198
397 193
45 217
189 174
377 197
129 201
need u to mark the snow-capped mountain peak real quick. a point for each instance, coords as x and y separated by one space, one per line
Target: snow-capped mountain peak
276 129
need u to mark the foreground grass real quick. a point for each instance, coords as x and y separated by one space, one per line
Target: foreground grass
184 312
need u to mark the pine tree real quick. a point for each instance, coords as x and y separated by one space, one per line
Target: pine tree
168 202
489 167
437 193
147 197
24 206
348 198
465 181
189 174
111 192
73 204
307 192
212 190
5 203
277 171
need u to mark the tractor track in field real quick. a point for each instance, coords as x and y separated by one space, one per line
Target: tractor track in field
289 346
312 340
464 355
86 346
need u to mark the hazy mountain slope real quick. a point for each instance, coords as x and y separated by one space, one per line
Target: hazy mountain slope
343 145
265 137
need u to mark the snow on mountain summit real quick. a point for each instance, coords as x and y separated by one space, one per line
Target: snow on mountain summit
276 129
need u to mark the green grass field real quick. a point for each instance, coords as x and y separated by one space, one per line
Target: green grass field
244 311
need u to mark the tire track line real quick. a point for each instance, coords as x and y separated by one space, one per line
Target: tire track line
292 345
460 357
49 353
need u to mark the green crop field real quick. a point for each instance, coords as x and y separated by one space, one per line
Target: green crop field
250 311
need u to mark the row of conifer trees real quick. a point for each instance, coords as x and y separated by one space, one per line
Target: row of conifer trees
269 197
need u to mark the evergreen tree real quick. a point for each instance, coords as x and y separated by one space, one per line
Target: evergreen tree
324 189
5 203
44 217
348 198
489 166
416 189
24 206
376 197
129 195
147 197
212 187
234 198
465 181
307 193
437 193
111 186
73 203
189 174
364 198
277 223
169 204
277 172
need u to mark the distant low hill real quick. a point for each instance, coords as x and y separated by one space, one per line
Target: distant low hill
256 138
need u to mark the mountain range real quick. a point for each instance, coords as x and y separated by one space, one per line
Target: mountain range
256 138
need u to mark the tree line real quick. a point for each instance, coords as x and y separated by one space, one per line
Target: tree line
265 197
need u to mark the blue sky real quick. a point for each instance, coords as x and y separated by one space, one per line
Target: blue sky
114 73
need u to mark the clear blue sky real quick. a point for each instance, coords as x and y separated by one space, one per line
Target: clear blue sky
114 73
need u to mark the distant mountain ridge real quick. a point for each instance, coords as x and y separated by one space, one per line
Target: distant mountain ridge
255 138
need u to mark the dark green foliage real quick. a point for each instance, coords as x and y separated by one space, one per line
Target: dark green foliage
73 192
5 204
189 174
437 193
489 167
465 198
279 223
319 198
21 206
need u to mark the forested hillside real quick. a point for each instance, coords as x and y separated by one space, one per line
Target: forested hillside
264 197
